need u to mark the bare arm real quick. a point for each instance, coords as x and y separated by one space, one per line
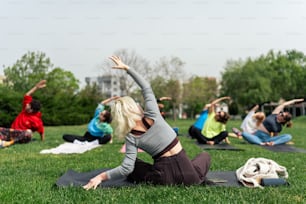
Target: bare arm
279 108
207 106
213 103
255 108
165 98
106 101
42 136
39 85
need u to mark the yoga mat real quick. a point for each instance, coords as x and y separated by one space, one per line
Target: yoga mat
223 178
73 178
221 146
284 148
76 179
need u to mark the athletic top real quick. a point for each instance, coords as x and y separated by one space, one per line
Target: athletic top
271 124
153 141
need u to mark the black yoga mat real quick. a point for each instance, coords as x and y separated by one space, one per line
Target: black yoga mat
223 178
221 146
77 179
284 148
73 178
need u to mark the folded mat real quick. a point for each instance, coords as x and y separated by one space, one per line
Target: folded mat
73 178
284 148
221 146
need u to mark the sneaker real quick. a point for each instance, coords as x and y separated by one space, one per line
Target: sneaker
236 131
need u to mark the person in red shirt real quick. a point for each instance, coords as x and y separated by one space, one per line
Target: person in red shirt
30 116
28 120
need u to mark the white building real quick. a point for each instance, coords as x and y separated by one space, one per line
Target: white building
107 84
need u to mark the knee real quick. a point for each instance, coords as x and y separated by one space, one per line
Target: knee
288 137
206 157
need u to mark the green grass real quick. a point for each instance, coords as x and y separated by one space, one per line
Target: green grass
29 177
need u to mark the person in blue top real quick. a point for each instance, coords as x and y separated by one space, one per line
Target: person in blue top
196 128
99 127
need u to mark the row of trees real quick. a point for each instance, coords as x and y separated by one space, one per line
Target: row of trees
266 78
62 101
269 77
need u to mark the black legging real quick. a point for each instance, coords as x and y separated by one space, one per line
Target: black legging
217 139
194 132
87 137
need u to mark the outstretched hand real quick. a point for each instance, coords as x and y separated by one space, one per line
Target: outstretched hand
119 63
41 84
299 100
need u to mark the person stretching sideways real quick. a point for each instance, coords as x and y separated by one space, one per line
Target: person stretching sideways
268 131
147 129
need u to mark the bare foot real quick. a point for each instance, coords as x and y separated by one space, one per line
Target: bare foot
270 143
210 142
226 140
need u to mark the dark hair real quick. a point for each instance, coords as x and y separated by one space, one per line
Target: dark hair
108 116
35 105
223 119
287 119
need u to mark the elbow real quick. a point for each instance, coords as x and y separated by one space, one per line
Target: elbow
127 170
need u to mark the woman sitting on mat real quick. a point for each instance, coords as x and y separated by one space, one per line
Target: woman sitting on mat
268 131
251 122
147 129
214 130
99 127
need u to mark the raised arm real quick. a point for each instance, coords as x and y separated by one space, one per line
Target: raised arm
106 101
280 107
39 85
214 102
255 108
151 106
165 98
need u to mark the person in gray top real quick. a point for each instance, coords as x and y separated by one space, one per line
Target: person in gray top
146 129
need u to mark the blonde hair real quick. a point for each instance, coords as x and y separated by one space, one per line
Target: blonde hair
259 116
125 112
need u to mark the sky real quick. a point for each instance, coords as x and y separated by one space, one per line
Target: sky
79 35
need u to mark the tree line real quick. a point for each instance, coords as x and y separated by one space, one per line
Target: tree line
269 77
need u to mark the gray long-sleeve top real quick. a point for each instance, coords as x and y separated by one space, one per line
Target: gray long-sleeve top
156 139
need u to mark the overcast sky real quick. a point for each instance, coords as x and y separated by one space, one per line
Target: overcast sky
78 35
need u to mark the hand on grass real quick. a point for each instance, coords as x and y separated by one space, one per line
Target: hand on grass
93 183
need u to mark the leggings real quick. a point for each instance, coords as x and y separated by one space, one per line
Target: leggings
194 132
177 169
217 139
87 137
18 136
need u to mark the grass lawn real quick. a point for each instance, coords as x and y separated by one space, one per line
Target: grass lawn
29 177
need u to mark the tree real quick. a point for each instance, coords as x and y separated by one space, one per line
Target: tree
61 104
61 81
197 92
135 61
268 77
32 67
169 68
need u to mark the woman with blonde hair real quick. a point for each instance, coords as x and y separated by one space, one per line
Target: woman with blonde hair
147 129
